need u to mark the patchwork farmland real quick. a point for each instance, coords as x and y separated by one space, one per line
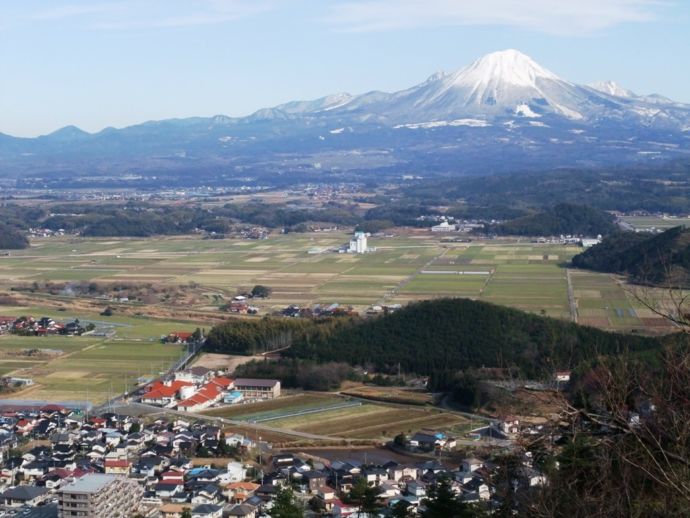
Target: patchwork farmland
93 368
302 269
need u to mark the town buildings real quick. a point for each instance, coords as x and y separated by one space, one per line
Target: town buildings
199 388
113 465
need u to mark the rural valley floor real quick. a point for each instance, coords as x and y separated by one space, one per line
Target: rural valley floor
299 268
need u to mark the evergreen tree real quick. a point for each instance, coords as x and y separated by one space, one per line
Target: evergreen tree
366 497
285 505
401 509
443 503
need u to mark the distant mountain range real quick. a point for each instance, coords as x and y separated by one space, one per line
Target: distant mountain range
504 112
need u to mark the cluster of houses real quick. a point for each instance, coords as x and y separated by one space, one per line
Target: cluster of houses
45 232
39 327
179 337
445 226
254 233
385 309
583 241
199 388
73 462
318 310
399 484
240 304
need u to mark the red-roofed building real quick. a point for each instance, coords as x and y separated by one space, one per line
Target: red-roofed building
164 393
52 408
208 394
59 476
179 337
97 422
340 508
172 477
238 492
117 466
223 382
24 426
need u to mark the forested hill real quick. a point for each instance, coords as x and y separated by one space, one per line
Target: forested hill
11 238
432 337
564 218
663 259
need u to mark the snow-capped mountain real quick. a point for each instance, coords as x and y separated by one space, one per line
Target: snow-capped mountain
502 111
504 84
612 88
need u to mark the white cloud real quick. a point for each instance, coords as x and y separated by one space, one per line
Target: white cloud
76 10
141 14
567 17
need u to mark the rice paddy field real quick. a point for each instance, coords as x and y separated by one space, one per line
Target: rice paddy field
93 368
655 222
304 269
529 276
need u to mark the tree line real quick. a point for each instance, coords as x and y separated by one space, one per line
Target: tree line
436 338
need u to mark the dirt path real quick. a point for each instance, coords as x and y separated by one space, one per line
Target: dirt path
571 297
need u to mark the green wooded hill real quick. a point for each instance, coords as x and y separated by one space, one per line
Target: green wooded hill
432 337
11 238
663 259
564 218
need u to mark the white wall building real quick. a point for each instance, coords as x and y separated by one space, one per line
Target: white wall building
444 226
358 245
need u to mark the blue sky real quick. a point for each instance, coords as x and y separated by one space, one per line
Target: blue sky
100 63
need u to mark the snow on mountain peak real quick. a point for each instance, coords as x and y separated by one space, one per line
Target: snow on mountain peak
611 88
510 67
502 84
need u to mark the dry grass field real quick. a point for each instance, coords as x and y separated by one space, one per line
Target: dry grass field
340 417
390 394
371 421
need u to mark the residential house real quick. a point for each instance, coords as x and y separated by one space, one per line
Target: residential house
117 466
241 511
238 492
207 511
24 495
172 510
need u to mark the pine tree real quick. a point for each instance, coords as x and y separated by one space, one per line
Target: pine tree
443 503
285 505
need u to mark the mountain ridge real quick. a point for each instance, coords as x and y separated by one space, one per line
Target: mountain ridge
491 71
502 112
